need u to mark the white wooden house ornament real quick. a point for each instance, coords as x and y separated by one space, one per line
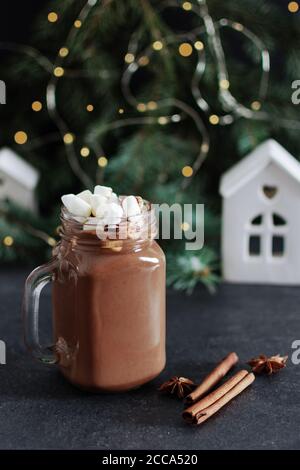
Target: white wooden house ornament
18 180
261 217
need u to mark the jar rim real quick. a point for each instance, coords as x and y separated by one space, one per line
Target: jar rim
137 227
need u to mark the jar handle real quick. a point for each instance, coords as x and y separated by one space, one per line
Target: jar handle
35 282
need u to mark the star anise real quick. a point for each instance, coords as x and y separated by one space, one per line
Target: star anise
268 365
180 386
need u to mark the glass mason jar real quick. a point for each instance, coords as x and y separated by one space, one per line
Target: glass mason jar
108 298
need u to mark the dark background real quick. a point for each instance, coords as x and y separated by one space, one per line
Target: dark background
17 17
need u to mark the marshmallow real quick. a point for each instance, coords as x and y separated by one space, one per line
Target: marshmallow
76 206
140 201
101 211
103 191
114 198
113 214
97 201
131 206
85 196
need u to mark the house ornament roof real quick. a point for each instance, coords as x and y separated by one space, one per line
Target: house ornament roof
18 169
268 152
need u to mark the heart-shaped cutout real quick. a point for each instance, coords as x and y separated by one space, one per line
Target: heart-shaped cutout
270 191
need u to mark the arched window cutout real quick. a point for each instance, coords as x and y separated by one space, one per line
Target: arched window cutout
258 220
270 191
278 220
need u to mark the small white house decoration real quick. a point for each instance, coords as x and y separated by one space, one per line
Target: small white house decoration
261 217
18 180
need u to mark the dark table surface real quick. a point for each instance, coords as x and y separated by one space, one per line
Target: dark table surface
40 410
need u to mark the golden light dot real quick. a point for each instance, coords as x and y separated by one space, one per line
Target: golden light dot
129 58
63 51
185 226
162 120
157 45
52 17
37 106
199 45
102 162
58 71
144 60
90 108
84 152
185 49
77 24
187 171
206 272
214 119
256 105
68 138
152 105
8 241
141 107
21 137
51 241
293 7
187 6
224 84
121 111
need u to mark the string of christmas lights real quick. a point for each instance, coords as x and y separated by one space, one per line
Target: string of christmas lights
188 43
232 107
227 100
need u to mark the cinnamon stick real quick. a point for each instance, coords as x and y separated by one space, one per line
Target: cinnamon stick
213 378
204 413
190 413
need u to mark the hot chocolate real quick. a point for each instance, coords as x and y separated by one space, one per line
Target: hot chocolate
108 305
109 313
